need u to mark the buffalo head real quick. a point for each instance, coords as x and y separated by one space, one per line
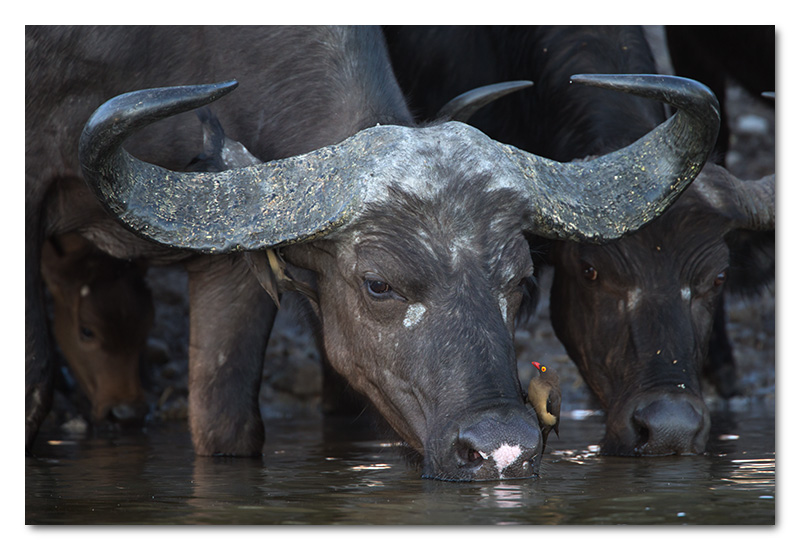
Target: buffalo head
636 315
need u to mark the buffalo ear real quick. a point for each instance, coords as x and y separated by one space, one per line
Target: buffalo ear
266 277
52 271
752 260
749 208
269 269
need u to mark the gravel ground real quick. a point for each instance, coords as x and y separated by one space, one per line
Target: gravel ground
292 379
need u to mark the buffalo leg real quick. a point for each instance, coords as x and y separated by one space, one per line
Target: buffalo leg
338 396
231 318
720 368
38 365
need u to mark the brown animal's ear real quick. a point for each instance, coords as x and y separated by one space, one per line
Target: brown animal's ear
59 255
72 245
52 259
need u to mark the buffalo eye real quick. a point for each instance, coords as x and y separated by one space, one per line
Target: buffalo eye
86 333
378 289
589 272
720 278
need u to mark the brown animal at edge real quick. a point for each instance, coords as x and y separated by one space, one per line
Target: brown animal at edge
102 313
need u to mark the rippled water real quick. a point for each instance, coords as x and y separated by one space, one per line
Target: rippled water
333 472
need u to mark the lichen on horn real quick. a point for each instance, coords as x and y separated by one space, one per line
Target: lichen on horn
245 208
308 196
611 195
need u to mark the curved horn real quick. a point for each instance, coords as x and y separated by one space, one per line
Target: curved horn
122 115
757 203
463 106
219 151
749 203
307 196
614 194
241 209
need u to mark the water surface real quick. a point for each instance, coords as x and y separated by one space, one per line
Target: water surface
334 472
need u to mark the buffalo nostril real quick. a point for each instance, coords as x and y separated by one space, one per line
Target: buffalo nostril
468 451
496 449
474 456
642 432
669 425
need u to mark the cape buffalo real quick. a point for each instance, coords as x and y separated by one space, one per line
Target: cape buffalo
635 315
414 236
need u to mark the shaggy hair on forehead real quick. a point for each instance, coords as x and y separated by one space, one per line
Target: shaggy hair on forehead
694 226
461 215
457 199
459 212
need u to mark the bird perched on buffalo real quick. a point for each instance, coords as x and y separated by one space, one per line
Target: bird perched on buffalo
544 394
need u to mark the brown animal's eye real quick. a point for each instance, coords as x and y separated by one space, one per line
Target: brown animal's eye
720 278
86 334
589 272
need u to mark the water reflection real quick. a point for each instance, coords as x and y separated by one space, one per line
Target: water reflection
318 472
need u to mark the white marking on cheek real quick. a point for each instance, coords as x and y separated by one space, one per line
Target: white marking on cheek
505 455
221 358
686 293
503 308
414 314
633 298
